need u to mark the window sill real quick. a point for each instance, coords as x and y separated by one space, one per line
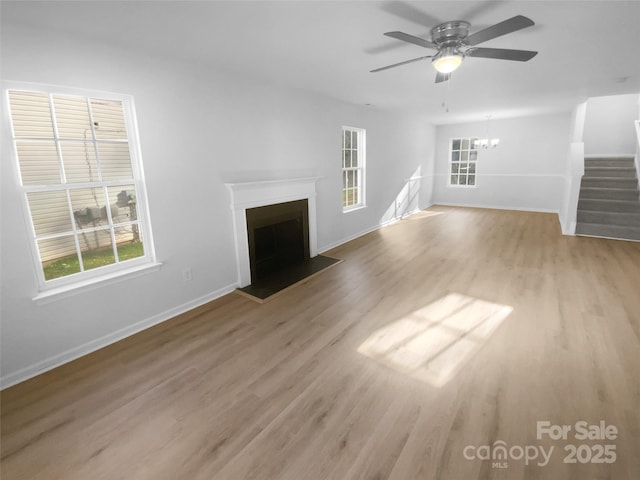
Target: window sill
354 209
65 291
462 186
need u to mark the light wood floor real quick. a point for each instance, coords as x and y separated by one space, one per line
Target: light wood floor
236 390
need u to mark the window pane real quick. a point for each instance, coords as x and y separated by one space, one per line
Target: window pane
30 114
354 158
58 256
348 197
38 163
123 201
108 119
72 116
79 162
464 155
355 196
347 139
49 212
454 167
454 179
455 144
347 159
455 156
128 242
354 140
462 180
473 155
465 144
88 207
471 180
115 161
96 248
464 167
472 168
350 176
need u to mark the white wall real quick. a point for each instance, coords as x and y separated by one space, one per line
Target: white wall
199 128
525 172
608 128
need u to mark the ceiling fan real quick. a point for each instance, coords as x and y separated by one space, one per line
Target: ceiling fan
453 43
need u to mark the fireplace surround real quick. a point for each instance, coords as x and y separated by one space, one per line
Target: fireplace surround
249 195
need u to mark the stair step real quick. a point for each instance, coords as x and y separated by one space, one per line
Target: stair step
609 218
626 162
625 172
609 182
606 205
608 231
609 193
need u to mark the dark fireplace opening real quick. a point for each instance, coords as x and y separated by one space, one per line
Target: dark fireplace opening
278 238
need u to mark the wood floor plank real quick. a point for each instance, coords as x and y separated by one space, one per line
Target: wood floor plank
235 390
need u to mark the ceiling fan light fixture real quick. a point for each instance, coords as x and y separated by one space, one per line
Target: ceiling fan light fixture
447 60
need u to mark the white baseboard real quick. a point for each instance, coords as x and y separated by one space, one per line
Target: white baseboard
89 347
391 221
497 207
609 155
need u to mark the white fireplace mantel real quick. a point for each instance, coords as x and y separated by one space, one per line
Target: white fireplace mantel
268 192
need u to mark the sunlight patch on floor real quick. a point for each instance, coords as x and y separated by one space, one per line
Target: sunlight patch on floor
434 342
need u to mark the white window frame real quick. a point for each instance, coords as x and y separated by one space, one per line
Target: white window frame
86 278
472 147
360 170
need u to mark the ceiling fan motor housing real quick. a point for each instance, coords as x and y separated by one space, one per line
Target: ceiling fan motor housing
450 32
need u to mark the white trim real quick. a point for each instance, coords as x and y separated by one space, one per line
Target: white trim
260 193
610 155
524 175
87 284
93 345
353 208
361 169
460 161
496 207
391 221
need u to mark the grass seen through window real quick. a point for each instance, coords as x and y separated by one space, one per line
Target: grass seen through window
99 258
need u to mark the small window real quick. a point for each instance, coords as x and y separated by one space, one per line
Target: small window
81 179
353 168
462 162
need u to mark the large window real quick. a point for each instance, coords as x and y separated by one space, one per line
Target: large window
80 173
462 162
353 168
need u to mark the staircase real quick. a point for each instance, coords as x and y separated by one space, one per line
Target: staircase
609 203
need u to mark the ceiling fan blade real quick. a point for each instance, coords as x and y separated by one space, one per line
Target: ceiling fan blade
405 37
481 8
409 12
513 24
502 54
442 77
401 63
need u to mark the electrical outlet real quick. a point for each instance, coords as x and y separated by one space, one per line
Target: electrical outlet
187 275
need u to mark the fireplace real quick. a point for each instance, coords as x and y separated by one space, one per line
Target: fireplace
247 196
278 238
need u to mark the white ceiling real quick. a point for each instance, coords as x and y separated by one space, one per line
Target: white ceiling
586 48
